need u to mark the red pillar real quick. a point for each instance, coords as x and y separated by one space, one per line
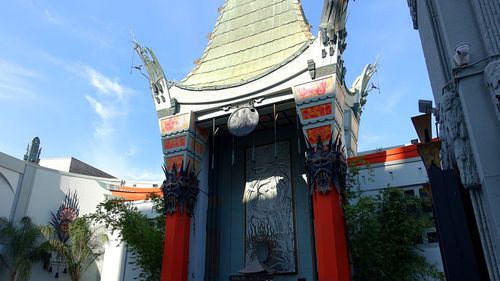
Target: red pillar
176 247
332 255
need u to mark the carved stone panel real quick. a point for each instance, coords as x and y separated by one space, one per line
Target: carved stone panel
492 77
269 218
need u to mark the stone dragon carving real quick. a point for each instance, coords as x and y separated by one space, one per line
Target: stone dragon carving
180 187
326 165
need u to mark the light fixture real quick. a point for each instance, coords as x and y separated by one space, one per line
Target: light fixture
462 56
425 106
422 124
427 149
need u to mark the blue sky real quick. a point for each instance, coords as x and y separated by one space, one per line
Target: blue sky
65 74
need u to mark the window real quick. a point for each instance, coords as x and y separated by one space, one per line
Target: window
432 237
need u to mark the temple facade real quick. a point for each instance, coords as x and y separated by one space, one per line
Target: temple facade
255 140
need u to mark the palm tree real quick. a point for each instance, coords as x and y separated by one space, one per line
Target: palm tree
19 249
84 246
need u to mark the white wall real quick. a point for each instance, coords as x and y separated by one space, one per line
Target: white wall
398 173
41 191
49 190
60 164
11 170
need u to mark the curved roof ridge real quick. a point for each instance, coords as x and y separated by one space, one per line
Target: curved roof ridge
239 34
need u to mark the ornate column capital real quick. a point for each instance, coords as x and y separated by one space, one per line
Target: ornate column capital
183 146
180 188
326 166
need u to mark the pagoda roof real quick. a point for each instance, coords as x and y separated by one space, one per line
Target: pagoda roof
250 39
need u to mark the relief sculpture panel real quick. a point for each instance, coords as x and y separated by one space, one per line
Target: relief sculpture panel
269 218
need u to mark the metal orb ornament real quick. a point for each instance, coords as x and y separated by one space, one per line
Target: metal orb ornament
243 121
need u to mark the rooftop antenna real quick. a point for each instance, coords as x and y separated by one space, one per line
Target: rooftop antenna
376 74
133 52
132 66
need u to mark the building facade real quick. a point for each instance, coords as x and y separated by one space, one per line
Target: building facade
461 44
265 97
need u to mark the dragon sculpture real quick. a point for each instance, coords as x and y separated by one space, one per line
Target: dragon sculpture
326 165
180 187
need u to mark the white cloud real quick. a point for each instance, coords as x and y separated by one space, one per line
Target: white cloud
110 102
108 149
105 85
74 27
105 112
103 131
50 17
16 81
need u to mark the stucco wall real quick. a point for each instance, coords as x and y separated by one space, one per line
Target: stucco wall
11 170
49 189
399 173
43 191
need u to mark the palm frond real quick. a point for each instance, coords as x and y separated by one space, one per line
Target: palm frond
19 246
84 246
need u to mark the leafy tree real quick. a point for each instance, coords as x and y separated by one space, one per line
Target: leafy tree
85 245
144 236
18 247
382 232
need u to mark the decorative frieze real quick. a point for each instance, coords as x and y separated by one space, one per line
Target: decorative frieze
176 124
182 141
319 106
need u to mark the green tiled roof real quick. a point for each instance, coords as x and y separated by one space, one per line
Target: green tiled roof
250 38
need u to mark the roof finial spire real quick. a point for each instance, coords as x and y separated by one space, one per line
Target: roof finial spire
157 80
333 19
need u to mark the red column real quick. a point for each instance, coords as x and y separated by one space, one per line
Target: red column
176 247
332 255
